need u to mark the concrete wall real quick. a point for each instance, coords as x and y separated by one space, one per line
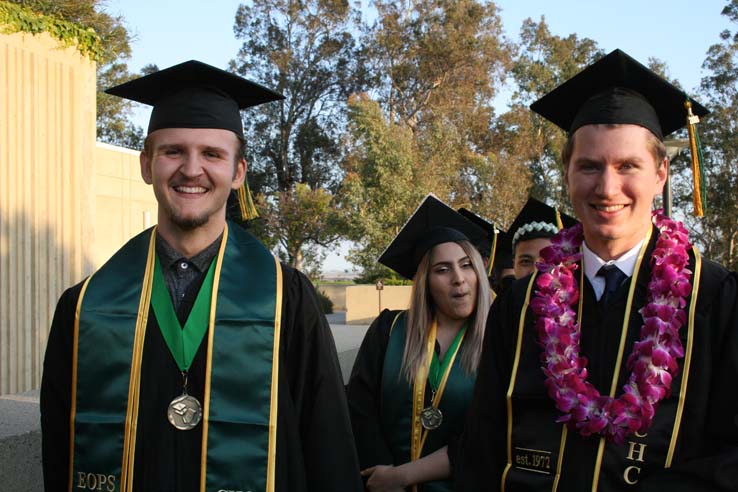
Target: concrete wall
365 302
336 293
124 204
47 138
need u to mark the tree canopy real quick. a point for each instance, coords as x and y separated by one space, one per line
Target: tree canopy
306 51
113 113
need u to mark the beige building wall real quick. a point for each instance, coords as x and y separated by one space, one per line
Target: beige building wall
124 205
365 302
336 293
47 139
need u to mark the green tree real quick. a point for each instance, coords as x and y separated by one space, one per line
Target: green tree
296 219
383 182
523 139
423 125
305 50
717 231
113 113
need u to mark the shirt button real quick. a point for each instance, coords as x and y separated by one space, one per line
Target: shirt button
184 265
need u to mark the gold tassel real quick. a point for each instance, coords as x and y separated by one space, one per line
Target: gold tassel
697 162
559 223
246 202
491 262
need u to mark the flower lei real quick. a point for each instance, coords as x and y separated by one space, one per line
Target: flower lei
653 360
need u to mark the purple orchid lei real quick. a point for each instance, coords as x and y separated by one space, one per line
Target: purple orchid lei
652 361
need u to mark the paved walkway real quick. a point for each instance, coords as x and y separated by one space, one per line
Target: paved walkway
348 339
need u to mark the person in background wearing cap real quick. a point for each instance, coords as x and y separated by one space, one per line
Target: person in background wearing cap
193 360
614 367
495 252
532 231
414 374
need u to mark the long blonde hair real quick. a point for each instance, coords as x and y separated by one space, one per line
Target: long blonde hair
422 310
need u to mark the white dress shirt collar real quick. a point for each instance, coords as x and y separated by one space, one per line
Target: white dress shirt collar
593 263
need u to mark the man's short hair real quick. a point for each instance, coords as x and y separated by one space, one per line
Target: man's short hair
656 146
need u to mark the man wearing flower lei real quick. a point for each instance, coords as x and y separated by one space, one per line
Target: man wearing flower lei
614 366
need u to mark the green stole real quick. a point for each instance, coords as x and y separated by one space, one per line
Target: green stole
240 403
396 412
545 455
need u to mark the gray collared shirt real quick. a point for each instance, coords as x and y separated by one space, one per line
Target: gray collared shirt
179 271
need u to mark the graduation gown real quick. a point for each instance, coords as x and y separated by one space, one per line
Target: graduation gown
378 443
700 441
314 448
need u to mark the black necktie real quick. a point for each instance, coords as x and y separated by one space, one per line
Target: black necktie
613 278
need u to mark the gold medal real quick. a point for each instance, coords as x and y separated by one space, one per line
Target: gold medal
431 418
184 412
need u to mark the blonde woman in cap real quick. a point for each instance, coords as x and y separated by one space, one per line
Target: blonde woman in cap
413 377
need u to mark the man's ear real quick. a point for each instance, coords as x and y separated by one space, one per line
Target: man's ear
566 177
661 174
239 175
145 167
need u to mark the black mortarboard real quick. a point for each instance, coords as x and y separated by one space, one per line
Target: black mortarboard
537 220
432 223
489 246
617 89
503 256
195 95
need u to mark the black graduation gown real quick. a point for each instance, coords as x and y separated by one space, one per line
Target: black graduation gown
373 443
706 453
364 394
315 450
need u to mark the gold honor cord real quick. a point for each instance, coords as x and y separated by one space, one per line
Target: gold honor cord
73 409
272 452
419 392
419 434
395 321
441 387
129 438
687 356
560 461
513 377
623 336
493 251
209 360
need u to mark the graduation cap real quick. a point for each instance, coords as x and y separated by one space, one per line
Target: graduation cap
617 89
196 95
432 223
489 246
503 256
537 220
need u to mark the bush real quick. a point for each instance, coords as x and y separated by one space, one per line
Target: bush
325 302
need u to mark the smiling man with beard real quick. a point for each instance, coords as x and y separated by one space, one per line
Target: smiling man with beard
193 360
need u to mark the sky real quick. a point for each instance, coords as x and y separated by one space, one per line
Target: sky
167 33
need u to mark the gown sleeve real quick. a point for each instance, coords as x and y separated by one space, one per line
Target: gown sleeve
364 394
709 436
476 457
55 399
317 391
